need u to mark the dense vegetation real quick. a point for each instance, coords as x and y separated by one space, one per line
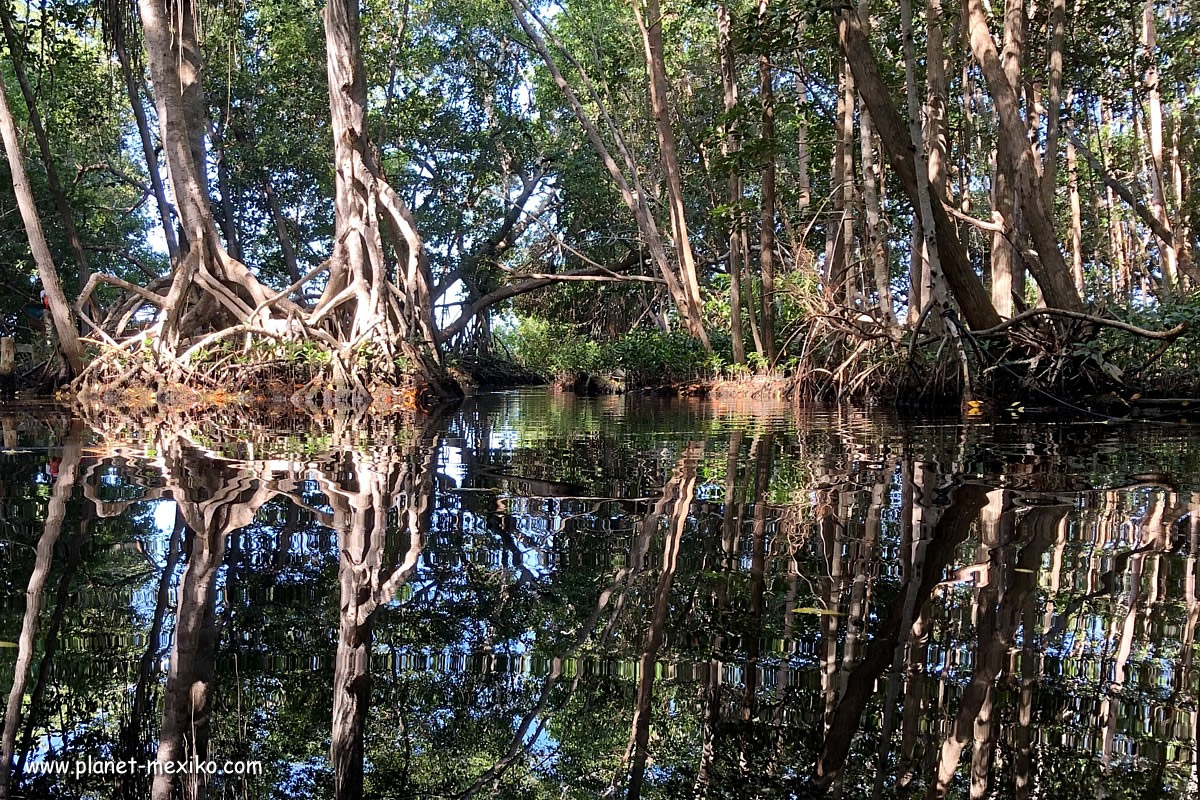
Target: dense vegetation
357 193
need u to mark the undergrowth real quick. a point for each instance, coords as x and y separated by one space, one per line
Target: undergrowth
644 356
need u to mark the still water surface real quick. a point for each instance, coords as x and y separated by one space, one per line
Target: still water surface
535 596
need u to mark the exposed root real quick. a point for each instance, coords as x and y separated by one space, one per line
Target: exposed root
245 365
838 353
212 325
1042 354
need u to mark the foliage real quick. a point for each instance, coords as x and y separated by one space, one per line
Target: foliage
88 123
644 356
1170 371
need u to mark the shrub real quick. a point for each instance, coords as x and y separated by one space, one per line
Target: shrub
646 356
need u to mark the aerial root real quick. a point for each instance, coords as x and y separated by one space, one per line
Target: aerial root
840 353
257 357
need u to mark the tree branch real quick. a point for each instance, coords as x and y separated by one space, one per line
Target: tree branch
142 266
539 281
1173 333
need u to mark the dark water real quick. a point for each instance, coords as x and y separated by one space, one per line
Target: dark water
534 597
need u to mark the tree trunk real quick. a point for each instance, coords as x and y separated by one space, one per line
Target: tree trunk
132 87
845 718
1155 130
359 192
1181 161
730 145
767 233
365 491
939 294
652 42
1058 21
964 284
1050 269
937 135
1076 221
56 511
281 231
803 156
842 186
1116 246
43 140
1116 234
233 241
874 235
1033 120
231 291
131 743
970 141
1008 272
917 263
60 311
1003 263
679 493
213 291
187 702
632 192
214 501
750 306
937 143
1166 235
874 232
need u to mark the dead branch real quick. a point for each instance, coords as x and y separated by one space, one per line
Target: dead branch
1173 333
112 280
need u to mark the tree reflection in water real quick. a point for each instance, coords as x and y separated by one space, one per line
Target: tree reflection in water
531 597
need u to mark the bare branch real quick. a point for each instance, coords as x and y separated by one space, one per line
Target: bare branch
540 281
1173 333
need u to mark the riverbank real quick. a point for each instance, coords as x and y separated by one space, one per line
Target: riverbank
750 387
278 400
1113 374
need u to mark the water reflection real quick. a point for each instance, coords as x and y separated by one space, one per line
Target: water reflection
537 597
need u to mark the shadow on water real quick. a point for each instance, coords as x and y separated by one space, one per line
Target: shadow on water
533 597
